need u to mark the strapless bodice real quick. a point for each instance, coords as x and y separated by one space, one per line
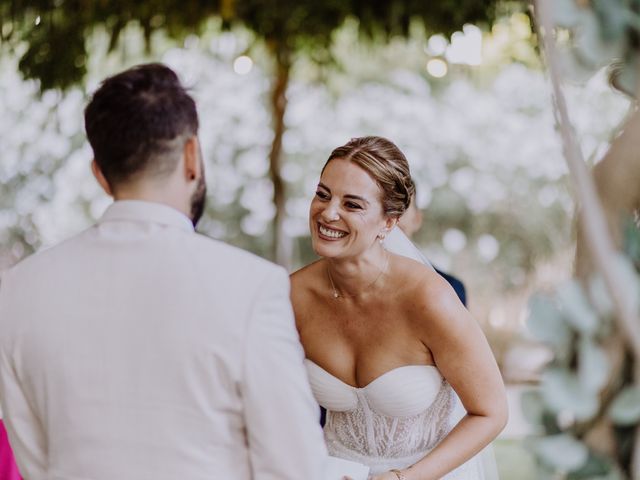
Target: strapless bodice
390 423
401 392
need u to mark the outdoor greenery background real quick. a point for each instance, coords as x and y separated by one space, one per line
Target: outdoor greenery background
481 142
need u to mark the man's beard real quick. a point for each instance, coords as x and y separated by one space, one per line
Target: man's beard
198 200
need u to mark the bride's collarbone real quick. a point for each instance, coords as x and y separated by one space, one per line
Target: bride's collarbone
375 300
369 312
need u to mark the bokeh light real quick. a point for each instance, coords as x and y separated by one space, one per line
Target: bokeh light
437 67
242 65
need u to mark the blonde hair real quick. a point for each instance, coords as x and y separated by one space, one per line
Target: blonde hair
386 164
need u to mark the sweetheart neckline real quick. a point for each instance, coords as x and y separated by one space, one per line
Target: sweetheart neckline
372 381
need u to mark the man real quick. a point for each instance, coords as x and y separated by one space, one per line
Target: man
410 222
140 349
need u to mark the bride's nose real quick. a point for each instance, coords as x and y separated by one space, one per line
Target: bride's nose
330 213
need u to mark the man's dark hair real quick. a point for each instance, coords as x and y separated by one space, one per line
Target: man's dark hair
138 122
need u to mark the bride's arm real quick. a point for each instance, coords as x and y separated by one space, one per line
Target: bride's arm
462 354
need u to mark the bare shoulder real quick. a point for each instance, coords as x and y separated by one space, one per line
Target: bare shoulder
305 272
429 301
414 279
307 276
305 283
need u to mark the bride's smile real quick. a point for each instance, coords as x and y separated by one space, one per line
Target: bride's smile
328 233
346 214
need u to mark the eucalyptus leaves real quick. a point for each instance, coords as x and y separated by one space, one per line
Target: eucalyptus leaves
587 385
597 33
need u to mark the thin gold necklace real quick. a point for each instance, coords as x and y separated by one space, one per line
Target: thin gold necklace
337 295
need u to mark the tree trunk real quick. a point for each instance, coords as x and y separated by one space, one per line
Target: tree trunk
282 248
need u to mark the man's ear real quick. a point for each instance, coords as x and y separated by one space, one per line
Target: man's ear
97 173
192 164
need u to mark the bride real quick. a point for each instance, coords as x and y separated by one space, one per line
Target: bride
389 346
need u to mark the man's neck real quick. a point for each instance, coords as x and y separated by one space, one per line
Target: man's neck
154 196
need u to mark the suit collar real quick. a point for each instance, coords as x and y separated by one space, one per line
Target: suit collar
146 212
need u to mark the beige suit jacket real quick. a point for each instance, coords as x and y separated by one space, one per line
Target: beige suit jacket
142 350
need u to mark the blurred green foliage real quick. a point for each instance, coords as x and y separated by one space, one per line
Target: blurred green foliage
584 386
55 31
601 33
588 397
480 142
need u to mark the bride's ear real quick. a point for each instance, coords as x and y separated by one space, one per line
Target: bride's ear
390 223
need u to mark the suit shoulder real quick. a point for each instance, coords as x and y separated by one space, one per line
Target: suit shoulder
44 255
235 256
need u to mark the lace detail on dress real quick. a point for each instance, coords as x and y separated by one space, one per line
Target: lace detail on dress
367 433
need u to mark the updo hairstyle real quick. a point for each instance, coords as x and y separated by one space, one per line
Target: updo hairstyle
386 164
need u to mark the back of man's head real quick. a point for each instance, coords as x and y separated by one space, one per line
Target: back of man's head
138 122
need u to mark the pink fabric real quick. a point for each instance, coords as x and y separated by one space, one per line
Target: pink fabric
8 467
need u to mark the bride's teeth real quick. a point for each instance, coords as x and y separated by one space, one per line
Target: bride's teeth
331 233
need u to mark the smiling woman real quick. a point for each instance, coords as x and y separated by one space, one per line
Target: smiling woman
349 205
341 221
389 346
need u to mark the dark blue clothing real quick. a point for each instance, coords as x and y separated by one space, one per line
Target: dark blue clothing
457 285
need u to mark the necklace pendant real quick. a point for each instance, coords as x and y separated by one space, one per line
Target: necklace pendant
335 294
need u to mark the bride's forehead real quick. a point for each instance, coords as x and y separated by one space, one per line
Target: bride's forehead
344 176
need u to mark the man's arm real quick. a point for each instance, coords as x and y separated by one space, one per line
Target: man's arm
285 438
23 426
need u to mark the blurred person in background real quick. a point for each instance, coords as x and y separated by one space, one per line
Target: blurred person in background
139 349
410 222
389 345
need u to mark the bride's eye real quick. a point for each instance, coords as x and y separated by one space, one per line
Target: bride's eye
322 195
353 206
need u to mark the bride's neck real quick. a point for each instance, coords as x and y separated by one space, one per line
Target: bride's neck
352 275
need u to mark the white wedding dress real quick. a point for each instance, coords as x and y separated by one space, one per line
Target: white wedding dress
393 422
399 417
